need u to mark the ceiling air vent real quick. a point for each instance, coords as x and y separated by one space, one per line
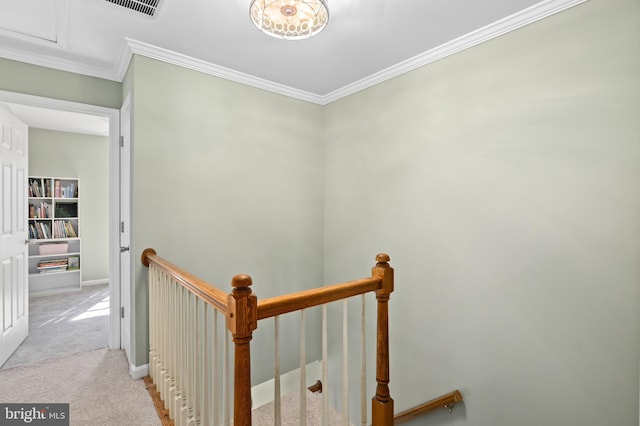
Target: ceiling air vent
148 7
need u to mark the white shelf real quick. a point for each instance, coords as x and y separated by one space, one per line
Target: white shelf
57 208
43 256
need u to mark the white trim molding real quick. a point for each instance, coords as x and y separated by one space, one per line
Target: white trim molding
188 62
114 189
527 16
513 22
510 23
95 282
138 372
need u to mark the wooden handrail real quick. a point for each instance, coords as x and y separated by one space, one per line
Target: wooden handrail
444 401
213 296
279 305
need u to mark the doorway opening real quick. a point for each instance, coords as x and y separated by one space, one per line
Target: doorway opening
111 284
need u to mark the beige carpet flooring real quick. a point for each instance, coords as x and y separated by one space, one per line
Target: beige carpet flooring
290 413
64 324
96 384
65 360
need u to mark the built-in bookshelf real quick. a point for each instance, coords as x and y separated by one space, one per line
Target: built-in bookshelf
54 235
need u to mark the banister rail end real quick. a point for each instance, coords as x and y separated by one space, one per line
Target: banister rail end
316 387
447 401
145 254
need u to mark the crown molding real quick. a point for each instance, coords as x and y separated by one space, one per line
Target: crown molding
510 23
493 30
184 61
520 19
56 63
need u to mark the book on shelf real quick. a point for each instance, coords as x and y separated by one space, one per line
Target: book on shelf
54 265
65 191
64 229
40 211
40 230
73 263
39 188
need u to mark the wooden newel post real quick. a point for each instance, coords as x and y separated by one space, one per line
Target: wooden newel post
382 403
242 319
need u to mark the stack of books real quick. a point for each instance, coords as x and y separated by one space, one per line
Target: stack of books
55 265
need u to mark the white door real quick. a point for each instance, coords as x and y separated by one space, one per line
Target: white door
14 277
125 234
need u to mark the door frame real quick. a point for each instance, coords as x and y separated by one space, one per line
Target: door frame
114 192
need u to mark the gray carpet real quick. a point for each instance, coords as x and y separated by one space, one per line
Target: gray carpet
63 325
96 384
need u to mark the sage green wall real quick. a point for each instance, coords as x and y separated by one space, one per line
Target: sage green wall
34 80
62 154
504 181
227 179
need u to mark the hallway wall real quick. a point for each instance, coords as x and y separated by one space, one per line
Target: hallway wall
64 154
504 181
227 179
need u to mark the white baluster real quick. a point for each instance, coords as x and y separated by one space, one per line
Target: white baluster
216 364
325 369
179 359
345 364
152 323
277 409
227 387
172 355
201 359
207 334
363 364
303 371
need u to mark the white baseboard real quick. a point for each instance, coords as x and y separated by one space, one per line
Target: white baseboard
95 282
138 372
263 393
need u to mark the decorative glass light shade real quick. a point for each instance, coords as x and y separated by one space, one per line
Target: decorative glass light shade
290 19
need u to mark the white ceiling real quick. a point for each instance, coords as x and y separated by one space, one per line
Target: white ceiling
366 41
63 121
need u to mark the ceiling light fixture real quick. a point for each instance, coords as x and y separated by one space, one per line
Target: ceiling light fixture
290 19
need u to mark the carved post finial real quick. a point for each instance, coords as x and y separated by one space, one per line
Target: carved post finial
382 258
241 281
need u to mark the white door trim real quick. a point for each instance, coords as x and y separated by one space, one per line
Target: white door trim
114 190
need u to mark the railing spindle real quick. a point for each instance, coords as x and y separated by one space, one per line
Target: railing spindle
193 358
345 363
227 382
206 396
215 365
277 407
303 371
363 362
180 361
173 345
152 323
325 369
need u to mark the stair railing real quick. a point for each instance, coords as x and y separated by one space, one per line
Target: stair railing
183 312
